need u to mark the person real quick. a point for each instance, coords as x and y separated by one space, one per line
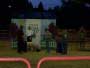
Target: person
20 38
52 29
48 37
82 37
36 42
29 34
58 41
64 41
13 34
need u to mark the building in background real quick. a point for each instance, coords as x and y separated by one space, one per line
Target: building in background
38 26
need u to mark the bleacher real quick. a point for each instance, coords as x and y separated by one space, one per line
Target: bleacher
4 36
4 31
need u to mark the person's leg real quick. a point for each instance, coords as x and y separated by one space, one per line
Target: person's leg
24 46
56 47
47 46
11 42
82 44
14 43
19 47
64 47
29 45
59 47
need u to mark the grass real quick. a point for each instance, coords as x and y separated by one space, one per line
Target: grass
34 57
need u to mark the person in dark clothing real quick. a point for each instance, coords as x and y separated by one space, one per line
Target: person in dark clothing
58 41
21 43
64 41
52 29
48 37
82 37
13 33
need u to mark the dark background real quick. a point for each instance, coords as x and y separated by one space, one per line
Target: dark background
72 13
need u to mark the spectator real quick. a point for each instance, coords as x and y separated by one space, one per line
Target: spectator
29 34
82 37
52 29
13 33
64 41
36 42
58 41
20 39
48 37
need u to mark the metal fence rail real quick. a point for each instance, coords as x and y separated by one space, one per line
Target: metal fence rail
62 59
16 60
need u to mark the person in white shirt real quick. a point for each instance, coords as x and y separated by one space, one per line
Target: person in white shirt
36 42
29 34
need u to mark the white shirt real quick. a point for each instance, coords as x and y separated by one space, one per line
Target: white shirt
29 33
36 40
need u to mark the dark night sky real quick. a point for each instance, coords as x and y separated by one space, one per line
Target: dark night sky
47 3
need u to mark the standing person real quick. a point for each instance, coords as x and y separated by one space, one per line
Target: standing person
64 41
58 41
52 29
29 34
20 39
48 37
36 42
13 33
82 37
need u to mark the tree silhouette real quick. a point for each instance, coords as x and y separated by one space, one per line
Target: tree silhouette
83 1
5 13
30 6
19 5
56 8
73 14
50 9
40 7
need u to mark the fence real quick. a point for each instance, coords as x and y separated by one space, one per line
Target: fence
52 43
72 58
43 44
62 59
16 60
